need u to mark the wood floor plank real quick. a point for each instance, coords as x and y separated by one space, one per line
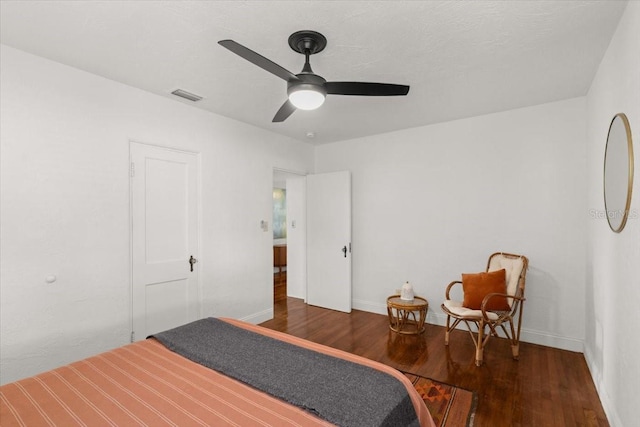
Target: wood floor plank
546 387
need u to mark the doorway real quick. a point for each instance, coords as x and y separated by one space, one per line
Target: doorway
289 232
318 238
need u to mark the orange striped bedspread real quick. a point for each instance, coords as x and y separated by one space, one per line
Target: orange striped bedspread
145 384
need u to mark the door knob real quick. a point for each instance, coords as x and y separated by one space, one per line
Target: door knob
192 261
344 250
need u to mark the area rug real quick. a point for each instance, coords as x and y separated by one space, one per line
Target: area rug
450 406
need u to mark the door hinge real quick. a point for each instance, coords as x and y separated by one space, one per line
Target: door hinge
133 336
132 170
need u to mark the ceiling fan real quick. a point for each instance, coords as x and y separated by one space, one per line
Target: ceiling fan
308 90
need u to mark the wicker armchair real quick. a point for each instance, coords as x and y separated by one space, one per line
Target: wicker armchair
483 322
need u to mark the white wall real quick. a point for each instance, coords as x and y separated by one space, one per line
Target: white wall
433 202
613 261
65 209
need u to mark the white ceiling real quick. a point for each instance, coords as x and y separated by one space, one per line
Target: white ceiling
461 58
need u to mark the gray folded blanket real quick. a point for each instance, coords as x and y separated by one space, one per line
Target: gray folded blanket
342 392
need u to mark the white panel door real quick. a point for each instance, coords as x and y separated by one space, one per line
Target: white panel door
329 240
164 218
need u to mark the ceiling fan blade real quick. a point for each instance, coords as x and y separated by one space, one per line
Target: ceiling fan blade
285 111
365 89
259 60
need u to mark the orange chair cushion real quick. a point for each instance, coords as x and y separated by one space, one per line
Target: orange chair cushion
477 286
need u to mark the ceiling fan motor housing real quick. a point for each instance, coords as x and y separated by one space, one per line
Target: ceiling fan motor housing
307 82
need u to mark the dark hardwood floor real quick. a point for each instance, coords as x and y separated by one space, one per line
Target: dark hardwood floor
546 387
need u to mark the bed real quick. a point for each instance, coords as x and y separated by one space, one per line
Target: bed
216 372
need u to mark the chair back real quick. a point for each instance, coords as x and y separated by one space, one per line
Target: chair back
516 269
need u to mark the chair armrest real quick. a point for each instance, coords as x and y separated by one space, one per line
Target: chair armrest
495 294
450 286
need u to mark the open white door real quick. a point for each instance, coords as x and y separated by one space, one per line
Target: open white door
329 240
164 220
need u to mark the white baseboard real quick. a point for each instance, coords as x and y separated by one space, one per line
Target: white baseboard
527 335
259 317
369 306
605 399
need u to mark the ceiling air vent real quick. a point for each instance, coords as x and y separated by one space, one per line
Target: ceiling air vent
186 95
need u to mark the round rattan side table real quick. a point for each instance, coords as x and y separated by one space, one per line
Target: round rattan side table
407 316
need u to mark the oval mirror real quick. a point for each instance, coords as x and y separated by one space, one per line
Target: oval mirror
618 172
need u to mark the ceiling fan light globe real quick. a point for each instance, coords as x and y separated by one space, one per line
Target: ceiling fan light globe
306 99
